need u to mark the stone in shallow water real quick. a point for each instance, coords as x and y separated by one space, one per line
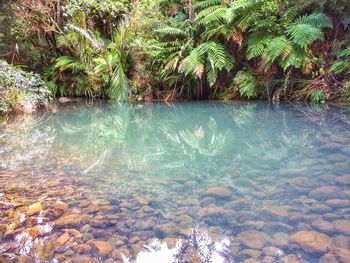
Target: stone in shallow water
251 253
61 240
146 224
273 251
280 239
43 250
71 220
342 226
34 208
250 260
338 203
301 181
310 241
253 239
84 259
291 258
24 259
104 248
345 179
341 241
82 248
274 212
166 230
324 192
323 226
218 192
183 220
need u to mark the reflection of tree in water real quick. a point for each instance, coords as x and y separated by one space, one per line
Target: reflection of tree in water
200 141
198 248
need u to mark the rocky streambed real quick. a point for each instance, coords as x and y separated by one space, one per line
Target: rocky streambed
59 220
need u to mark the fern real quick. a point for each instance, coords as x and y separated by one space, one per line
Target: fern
69 63
171 31
345 52
207 3
211 15
307 29
274 49
246 83
256 44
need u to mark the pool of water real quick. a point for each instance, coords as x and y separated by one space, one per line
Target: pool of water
186 182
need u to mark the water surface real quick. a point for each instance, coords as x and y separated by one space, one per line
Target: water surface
186 182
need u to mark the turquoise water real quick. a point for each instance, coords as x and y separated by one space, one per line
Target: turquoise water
186 182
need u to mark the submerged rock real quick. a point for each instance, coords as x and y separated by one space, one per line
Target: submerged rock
71 220
218 192
104 248
34 208
324 192
324 226
82 248
311 241
274 212
253 239
342 226
166 230
61 240
345 179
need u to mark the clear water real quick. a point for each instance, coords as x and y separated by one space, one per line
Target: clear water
179 183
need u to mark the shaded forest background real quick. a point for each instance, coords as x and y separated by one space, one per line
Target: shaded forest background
146 50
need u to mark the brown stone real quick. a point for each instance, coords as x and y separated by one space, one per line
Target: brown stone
274 212
337 203
34 208
84 259
24 259
342 255
345 179
324 192
218 192
215 211
310 241
104 248
166 230
253 239
273 251
61 240
342 226
324 226
71 220
82 248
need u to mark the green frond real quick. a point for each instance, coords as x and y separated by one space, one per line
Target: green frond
307 29
294 56
207 3
171 31
192 63
274 49
217 55
345 52
256 44
240 7
339 66
119 85
304 34
318 20
246 83
69 63
211 15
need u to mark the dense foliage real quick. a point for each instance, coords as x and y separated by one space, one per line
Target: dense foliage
21 91
175 49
